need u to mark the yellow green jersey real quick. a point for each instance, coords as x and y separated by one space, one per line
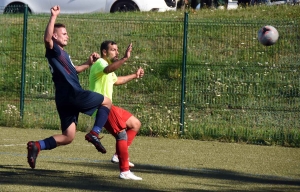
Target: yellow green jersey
101 82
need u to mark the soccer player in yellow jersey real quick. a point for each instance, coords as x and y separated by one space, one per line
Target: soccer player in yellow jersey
121 123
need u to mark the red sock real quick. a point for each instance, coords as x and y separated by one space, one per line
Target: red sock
38 145
122 152
94 133
130 136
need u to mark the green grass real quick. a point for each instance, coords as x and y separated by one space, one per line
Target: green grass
237 90
164 165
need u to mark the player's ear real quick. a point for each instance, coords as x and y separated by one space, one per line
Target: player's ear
54 35
104 52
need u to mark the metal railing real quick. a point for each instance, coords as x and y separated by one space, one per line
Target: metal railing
232 83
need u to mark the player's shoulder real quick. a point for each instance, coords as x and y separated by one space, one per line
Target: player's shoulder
103 61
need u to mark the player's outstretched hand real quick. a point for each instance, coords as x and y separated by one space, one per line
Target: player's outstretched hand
140 73
55 10
93 57
128 51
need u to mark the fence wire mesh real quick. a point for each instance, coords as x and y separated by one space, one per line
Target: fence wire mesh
233 83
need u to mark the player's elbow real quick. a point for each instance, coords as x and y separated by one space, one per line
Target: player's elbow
107 70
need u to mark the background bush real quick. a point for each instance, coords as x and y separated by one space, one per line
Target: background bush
236 89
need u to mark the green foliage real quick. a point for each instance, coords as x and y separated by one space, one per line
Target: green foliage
10 117
236 89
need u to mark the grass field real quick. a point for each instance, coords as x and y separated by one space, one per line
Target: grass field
164 165
236 89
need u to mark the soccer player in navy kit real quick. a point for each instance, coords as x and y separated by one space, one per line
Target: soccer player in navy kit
70 98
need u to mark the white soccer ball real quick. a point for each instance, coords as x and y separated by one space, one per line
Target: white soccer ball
268 35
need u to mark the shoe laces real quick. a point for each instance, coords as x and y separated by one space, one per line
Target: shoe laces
99 137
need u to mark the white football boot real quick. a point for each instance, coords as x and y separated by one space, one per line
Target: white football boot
115 159
129 175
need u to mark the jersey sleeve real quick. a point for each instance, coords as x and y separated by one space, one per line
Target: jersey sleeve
54 52
99 66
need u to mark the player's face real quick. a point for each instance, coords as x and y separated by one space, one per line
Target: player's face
61 37
112 53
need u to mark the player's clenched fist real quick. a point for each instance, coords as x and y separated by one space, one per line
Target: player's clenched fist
55 10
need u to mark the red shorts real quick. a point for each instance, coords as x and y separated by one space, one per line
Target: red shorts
116 121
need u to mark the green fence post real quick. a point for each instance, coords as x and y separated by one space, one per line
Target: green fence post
183 71
23 61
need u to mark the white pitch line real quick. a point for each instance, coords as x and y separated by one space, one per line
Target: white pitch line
12 145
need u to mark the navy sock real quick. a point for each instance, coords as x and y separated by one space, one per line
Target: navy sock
97 129
42 144
48 143
101 118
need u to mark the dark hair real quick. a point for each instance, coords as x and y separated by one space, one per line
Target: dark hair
104 45
59 25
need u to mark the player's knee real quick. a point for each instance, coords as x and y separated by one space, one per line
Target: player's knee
107 102
68 139
65 140
122 136
133 123
137 125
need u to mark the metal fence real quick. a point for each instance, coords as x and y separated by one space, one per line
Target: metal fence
232 83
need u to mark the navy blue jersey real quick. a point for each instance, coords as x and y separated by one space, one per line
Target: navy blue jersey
64 74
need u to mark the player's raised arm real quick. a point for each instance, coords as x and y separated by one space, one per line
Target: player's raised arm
91 60
118 63
50 27
125 79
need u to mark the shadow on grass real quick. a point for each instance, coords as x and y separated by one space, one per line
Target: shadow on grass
17 175
220 174
229 177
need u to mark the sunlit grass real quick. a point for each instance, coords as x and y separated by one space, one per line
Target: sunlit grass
236 89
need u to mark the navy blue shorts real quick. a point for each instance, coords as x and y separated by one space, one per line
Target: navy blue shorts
84 102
